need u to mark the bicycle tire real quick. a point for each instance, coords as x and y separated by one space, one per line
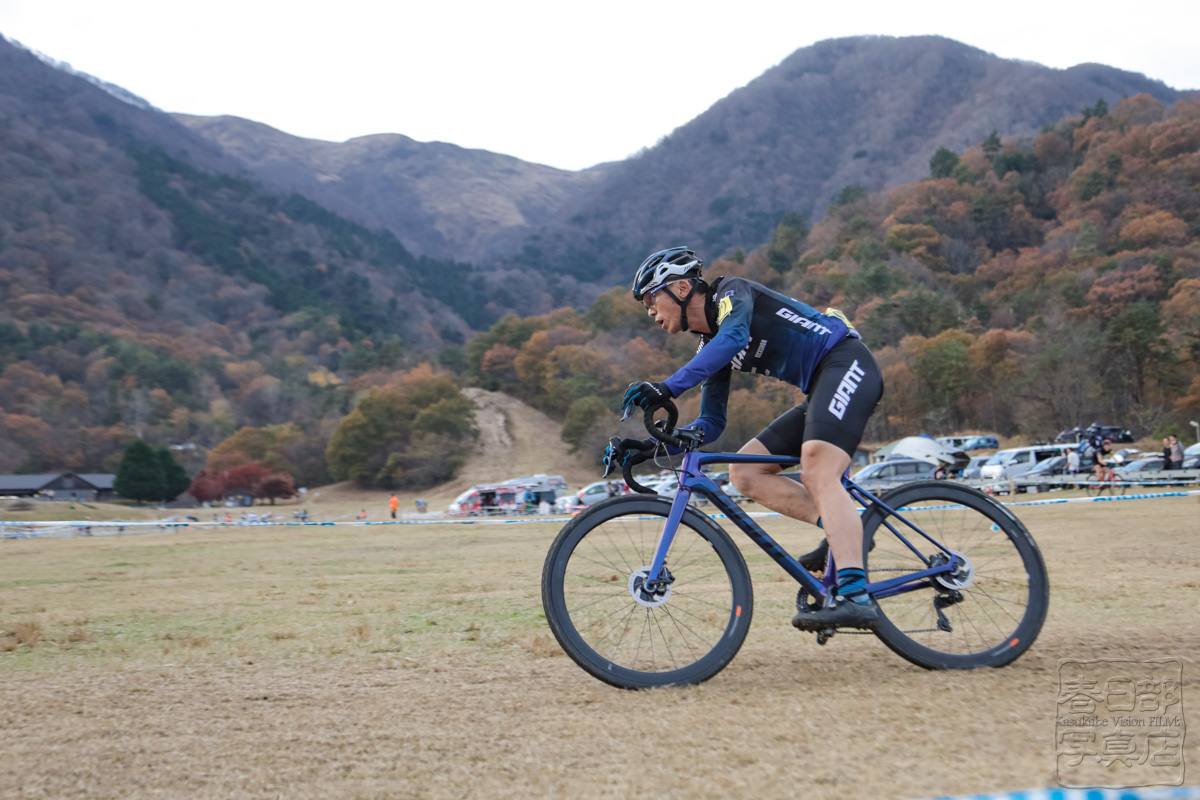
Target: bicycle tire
684 638
1003 600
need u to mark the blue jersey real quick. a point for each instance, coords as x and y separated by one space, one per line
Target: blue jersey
759 331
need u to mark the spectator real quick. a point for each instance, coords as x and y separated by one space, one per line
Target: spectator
1099 458
1073 460
421 506
1176 452
1166 452
393 504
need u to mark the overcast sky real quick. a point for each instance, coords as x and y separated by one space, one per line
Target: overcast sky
550 81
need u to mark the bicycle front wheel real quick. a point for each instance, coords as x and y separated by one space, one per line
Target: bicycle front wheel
984 614
682 632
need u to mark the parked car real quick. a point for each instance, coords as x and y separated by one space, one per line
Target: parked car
721 479
1051 466
1192 450
595 492
886 474
1192 462
1018 460
1077 434
1150 464
667 487
970 442
971 470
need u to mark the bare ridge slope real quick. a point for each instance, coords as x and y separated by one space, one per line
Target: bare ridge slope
516 439
438 199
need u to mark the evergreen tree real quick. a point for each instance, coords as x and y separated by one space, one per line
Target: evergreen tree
991 145
943 163
175 479
140 476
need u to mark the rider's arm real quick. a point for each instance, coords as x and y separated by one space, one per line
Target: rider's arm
734 308
714 398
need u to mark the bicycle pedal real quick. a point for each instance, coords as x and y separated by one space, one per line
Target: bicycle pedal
801 623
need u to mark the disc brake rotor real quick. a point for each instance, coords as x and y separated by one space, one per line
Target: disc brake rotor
961 577
649 599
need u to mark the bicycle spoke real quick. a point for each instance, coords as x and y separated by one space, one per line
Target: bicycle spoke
994 598
649 633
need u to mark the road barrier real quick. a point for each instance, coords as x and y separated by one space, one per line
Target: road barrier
66 528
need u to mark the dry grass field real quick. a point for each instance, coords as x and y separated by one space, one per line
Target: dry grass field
414 661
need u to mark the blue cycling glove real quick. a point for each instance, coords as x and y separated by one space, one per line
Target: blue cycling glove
645 395
622 452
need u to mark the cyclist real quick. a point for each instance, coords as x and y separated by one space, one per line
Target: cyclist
745 326
1101 450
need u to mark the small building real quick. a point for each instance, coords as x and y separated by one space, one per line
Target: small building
237 497
86 487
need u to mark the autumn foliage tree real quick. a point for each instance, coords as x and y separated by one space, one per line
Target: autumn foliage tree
207 487
247 478
277 485
413 431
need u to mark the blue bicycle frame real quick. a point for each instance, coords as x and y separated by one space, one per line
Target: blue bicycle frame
691 479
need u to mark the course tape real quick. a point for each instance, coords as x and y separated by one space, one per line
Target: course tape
1172 793
27 530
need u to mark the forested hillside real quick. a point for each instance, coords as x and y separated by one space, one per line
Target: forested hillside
438 199
860 110
141 294
864 111
1026 286
149 287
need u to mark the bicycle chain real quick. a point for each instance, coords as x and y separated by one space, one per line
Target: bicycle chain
872 633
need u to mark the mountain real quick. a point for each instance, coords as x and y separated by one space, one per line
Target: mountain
181 281
149 286
51 95
866 110
438 199
123 187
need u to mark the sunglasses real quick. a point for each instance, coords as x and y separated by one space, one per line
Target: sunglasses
648 298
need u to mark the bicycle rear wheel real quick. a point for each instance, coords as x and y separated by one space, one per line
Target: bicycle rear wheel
598 609
985 614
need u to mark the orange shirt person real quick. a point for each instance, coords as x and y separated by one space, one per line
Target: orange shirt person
393 504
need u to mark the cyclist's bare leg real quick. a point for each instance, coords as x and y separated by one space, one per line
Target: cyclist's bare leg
824 464
821 496
763 484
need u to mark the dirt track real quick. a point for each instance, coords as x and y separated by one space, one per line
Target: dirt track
414 662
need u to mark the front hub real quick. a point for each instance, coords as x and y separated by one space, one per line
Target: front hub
650 594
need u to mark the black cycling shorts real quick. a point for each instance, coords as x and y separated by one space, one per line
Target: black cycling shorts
844 392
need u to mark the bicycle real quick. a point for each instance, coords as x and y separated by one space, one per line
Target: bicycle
631 620
1107 482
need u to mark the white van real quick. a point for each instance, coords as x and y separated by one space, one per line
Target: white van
1018 460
